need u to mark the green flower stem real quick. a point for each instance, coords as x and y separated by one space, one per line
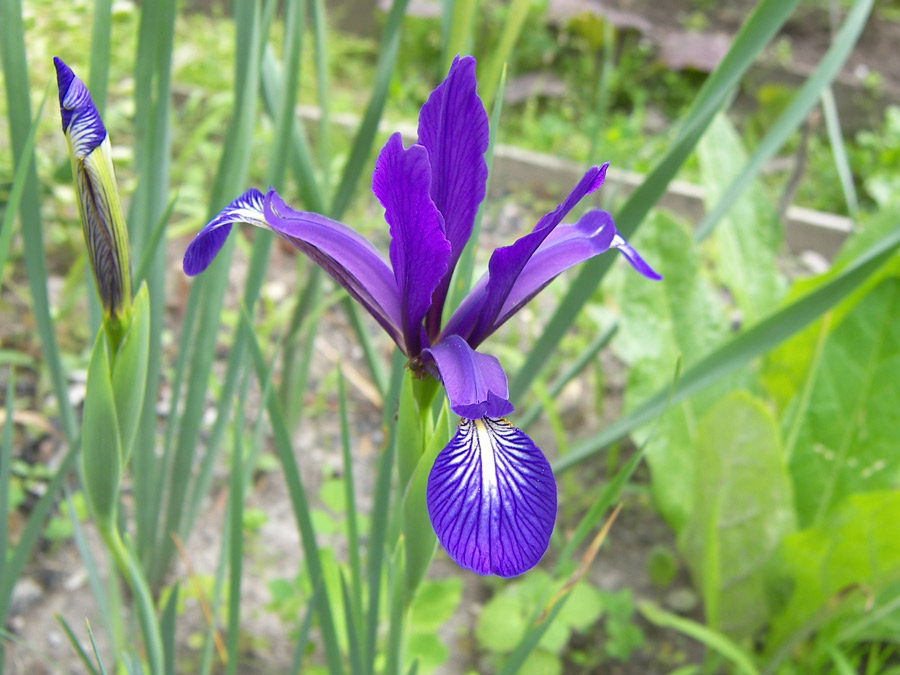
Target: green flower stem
129 567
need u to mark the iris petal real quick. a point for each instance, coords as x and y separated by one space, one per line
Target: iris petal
453 127
248 208
507 263
80 120
475 383
492 498
633 257
419 249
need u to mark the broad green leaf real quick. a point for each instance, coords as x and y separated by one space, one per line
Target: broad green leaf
502 623
747 240
743 507
435 603
847 441
101 450
129 376
855 546
660 322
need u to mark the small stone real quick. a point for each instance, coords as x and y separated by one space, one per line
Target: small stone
26 594
681 599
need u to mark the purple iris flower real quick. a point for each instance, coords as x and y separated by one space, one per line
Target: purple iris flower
491 494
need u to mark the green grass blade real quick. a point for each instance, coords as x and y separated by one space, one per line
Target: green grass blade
236 534
741 660
294 25
152 248
76 645
305 626
365 135
167 629
756 32
210 287
33 527
839 150
15 78
320 33
381 511
595 514
356 587
18 185
515 19
569 374
370 352
299 503
94 647
100 41
5 464
459 19
356 667
748 345
804 101
529 641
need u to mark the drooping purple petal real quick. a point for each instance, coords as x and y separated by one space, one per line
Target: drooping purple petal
453 127
80 120
419 250
507 263
475 383
492 498
563 248
633 257
345 255
248 208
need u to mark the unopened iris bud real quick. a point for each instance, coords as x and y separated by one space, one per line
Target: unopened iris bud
102 221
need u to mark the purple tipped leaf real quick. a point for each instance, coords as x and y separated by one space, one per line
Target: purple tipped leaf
475 383
248 208
492 498
80 120
345 255
419 250
507 263
453 127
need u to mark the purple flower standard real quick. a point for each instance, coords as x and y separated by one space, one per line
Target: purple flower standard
491 494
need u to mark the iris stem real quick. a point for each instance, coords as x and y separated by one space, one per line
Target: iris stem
134 575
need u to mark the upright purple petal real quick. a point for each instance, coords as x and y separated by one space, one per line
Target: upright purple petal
80 120
492 498
475 383
419 249
248 208
453 127
347 257
507 263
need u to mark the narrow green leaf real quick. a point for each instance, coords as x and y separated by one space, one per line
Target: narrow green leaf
236 533
100 53
129 376
806 98
742 662
356 587
460 16
5 464
760 27
356 667
18 186
754 342
323 144
305 626
299 503
517 12
167 627
839 150
365 135
94 648
18 97
76 645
